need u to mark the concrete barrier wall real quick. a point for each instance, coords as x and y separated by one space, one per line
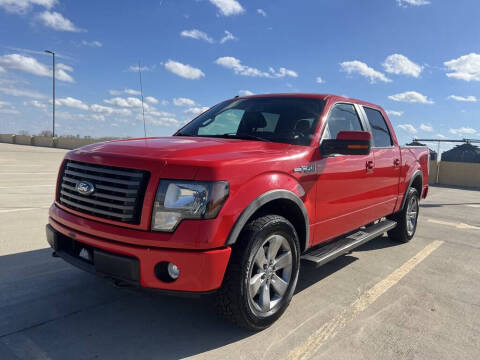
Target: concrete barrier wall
459 174
66 143
7 138
61 143
23 139
432 176
42 141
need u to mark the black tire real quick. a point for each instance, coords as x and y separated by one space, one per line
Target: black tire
402 232
233 299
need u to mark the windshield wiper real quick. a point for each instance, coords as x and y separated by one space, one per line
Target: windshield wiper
242 136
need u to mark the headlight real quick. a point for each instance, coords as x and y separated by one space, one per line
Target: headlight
177 200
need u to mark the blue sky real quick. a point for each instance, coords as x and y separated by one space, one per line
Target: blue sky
418 59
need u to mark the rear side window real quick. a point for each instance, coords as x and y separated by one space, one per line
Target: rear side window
343 117
381 134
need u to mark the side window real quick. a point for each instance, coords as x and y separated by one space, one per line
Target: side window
224 123
380 133
343 117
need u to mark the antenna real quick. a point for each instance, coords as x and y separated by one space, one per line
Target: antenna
141 95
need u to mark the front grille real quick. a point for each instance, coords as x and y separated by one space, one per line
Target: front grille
118 192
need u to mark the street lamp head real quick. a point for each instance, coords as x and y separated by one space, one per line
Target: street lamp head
49 52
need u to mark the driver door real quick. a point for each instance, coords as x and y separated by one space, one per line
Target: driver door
344 181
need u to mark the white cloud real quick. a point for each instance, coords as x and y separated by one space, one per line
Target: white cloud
358 67
184 70
400 64
228 36
427 128
8 108
94 43
245 93
411 97
470 98
394 113
196 110
132 92
197 34
23 6
404 3
109 110
22 93
319 80
235 64
57 22
2 70
98 117
441 136
36 103
71 102
129 102
183 102
135 68
228 7
115 92
463 131
31 65
408 128
261 12
466 67
151 100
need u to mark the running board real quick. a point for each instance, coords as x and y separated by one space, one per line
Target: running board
322 254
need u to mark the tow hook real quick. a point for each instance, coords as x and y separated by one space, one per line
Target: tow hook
54 254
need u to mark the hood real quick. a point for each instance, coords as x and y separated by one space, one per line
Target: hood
185 149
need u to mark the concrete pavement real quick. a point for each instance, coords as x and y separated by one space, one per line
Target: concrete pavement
385 300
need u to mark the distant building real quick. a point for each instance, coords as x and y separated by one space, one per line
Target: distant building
462 153
433 153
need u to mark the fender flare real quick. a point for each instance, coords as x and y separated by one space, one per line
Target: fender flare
258 203
414 176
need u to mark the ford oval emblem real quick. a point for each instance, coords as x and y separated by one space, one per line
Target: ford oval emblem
85 188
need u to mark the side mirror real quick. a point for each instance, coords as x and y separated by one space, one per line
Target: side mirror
348 143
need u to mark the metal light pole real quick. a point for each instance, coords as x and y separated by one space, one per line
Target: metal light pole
53 83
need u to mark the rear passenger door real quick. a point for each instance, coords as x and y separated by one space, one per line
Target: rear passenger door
386 163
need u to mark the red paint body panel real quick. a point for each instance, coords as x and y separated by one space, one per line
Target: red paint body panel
341 194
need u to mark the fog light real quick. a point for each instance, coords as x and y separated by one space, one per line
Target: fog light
173 271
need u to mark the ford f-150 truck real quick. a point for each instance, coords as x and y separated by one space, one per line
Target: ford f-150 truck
237 198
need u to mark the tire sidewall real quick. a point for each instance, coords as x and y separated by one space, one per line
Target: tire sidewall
282 227
411 193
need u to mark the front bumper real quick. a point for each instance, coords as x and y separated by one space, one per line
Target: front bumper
200 271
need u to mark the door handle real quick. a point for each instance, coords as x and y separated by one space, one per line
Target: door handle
396 162
369 165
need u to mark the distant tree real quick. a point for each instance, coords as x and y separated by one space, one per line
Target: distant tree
46 133
23 132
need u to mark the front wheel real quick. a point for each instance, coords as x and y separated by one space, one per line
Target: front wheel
407 218
262 274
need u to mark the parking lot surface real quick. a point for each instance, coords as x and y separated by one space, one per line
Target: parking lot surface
383 301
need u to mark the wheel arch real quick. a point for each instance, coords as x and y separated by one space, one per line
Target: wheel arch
280 202
416 181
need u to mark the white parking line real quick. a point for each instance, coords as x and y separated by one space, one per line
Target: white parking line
28 173
26 186
24 347
457 225
474 205
331 328
2 211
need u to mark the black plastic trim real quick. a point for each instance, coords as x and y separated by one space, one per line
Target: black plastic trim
258 203
414 176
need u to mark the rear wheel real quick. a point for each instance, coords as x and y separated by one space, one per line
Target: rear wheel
407 218
262 274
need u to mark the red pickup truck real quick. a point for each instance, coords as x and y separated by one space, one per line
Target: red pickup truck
237 198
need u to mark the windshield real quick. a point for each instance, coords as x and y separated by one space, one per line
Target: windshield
277 119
